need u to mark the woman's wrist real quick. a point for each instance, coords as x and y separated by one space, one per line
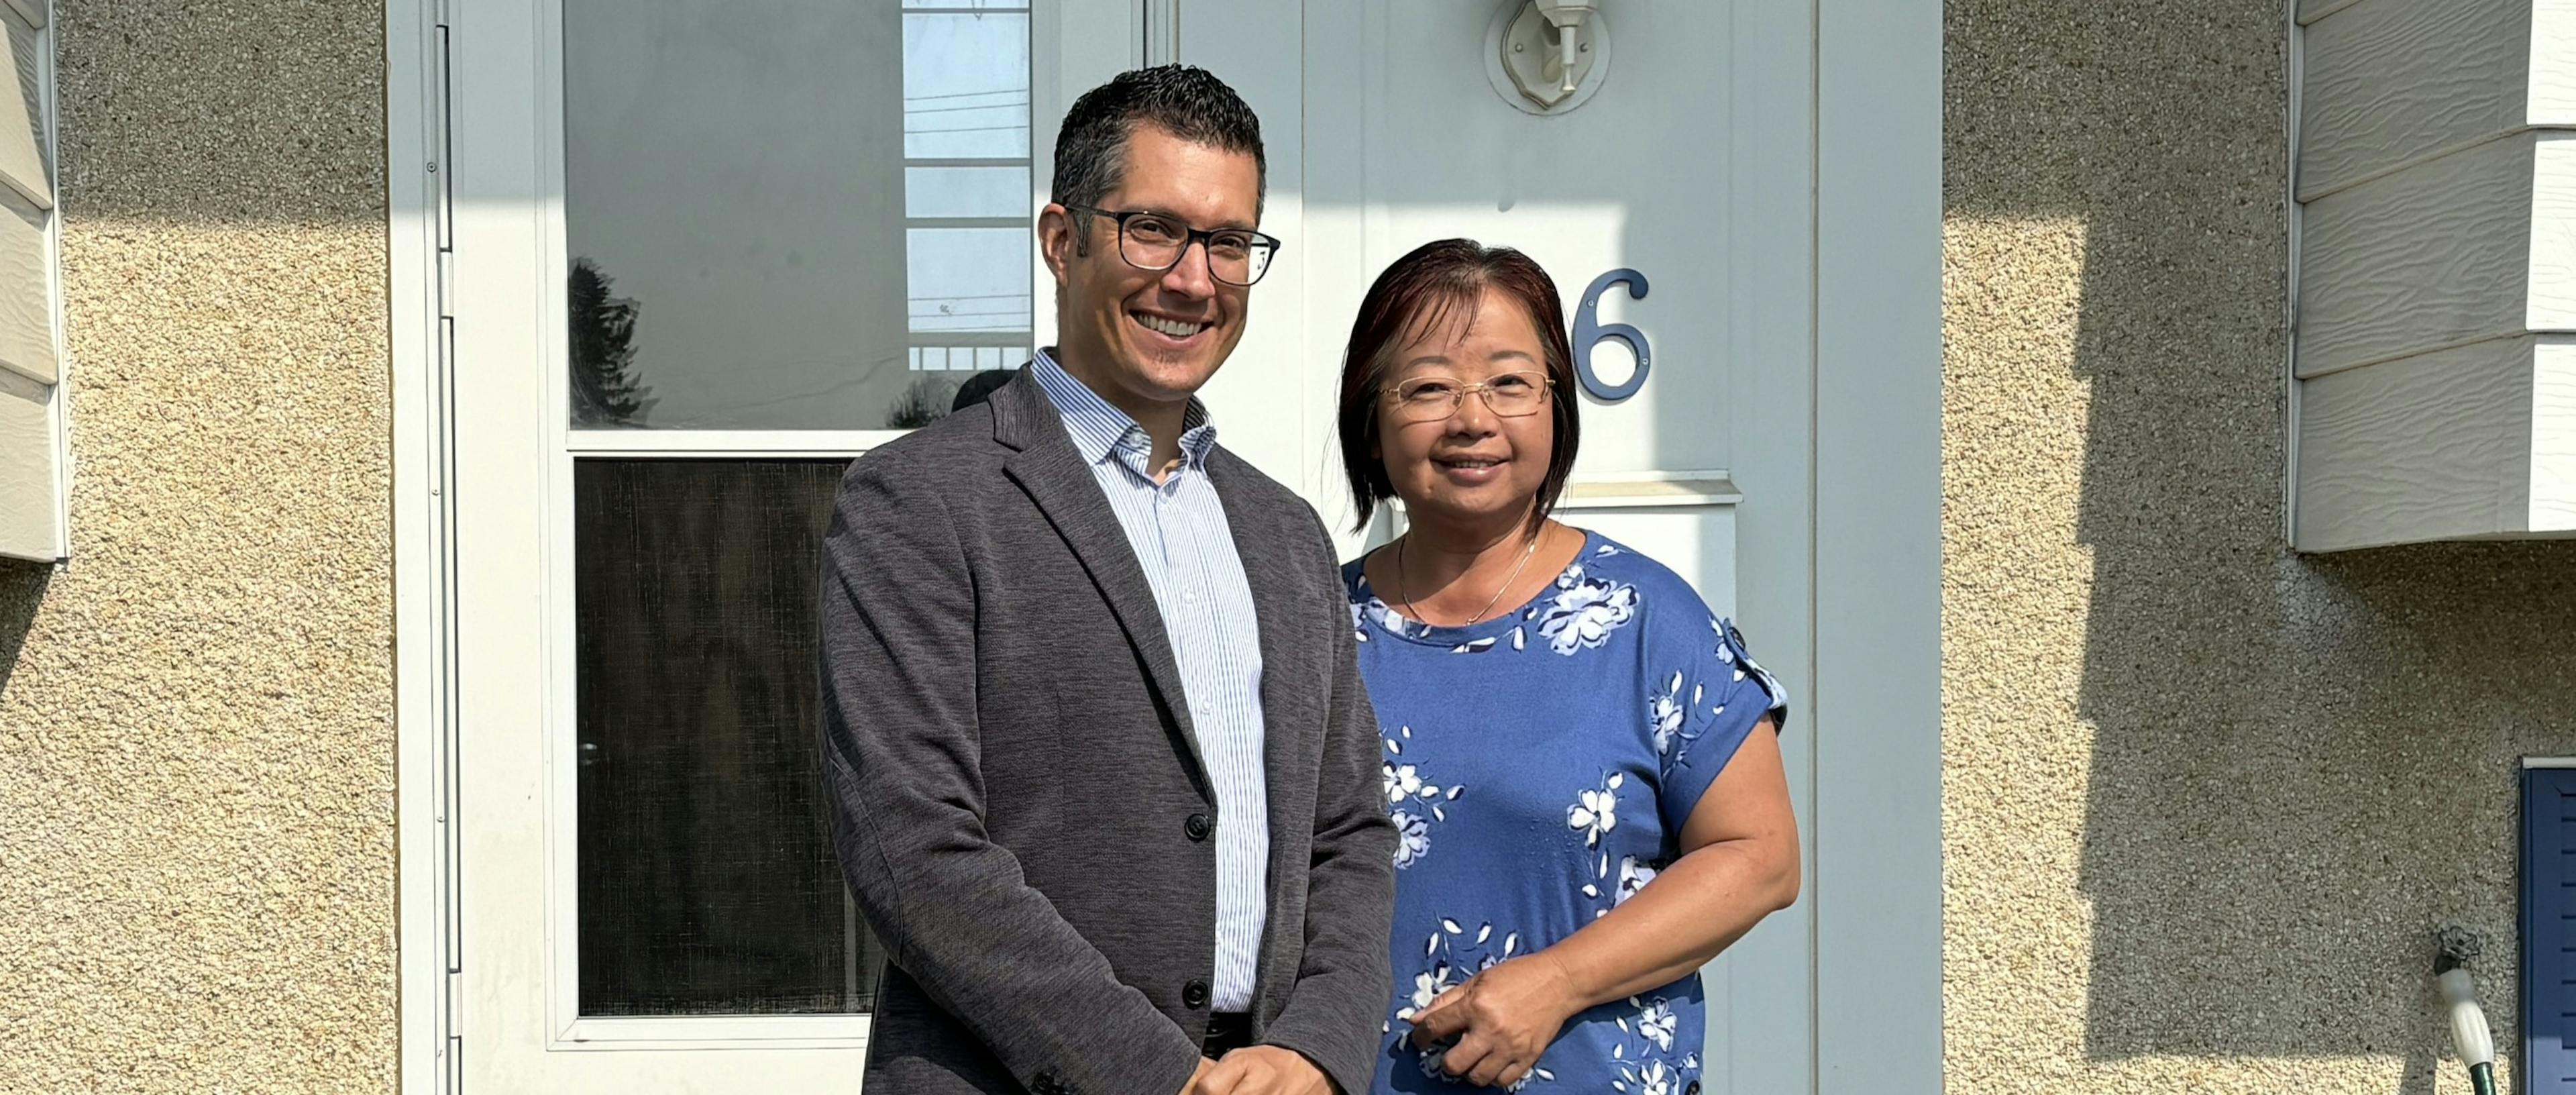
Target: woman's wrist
1564 992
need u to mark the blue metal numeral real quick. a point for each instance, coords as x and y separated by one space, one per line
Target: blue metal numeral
1589 331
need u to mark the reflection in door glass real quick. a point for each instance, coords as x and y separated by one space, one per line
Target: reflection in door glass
792 214
707 880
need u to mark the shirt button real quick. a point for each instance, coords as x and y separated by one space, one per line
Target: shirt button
1194 995
1198 826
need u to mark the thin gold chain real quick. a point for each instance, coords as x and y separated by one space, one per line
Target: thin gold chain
1479 617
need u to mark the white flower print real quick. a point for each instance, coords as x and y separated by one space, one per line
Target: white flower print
1427 986
1412 838
1402 781
1657 1024
1633 876
1583 614
1405 786
1666 711
1654 1079
1595 812
1359 621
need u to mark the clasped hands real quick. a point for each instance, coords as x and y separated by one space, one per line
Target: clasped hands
1259 1070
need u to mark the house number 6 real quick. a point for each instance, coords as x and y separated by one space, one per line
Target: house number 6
1589 331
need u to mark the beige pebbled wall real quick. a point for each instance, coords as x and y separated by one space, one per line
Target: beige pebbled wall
2205 801
196 744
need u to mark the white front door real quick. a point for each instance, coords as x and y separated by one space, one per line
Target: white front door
703 254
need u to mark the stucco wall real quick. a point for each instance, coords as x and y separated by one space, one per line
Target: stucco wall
196 777
2205 801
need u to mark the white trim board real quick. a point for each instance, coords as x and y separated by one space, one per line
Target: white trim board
422 918
1877 713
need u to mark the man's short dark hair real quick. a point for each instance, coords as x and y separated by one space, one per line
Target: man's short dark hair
1183 100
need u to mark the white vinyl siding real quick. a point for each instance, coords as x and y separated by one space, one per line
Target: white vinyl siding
2436 178
32 457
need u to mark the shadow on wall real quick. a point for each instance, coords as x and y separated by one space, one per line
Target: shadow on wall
22 589
2300 766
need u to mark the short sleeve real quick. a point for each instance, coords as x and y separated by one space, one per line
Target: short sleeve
1703 713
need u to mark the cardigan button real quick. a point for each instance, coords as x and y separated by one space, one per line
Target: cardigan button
1194 995
1198 826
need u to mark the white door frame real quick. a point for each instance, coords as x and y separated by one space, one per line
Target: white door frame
1877 711
1876 535
424 916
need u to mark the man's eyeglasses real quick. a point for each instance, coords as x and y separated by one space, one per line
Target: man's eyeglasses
1153 241
1431 398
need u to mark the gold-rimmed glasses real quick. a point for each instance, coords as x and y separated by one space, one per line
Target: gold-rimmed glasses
1431 398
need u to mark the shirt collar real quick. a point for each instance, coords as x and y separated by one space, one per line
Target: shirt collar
1100 430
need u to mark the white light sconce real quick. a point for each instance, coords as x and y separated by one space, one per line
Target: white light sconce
1548 56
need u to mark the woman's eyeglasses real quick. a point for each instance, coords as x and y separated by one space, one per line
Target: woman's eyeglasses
1429 398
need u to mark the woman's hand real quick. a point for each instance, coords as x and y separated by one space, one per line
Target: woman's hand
1502 1019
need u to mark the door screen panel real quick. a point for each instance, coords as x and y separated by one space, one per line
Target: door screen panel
707 880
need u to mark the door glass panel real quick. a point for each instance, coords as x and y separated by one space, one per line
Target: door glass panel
967 94
966 192
963 280
707 879
772 207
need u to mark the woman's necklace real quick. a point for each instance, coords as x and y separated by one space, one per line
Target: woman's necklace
1400 576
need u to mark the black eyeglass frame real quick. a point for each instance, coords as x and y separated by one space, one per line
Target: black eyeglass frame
1203 237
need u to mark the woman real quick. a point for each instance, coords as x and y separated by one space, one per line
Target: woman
1581 760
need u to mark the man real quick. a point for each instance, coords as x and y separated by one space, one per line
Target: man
1106 783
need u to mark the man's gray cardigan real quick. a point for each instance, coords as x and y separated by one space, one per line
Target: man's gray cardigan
1019 801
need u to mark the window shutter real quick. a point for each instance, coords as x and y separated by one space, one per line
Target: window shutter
2549 931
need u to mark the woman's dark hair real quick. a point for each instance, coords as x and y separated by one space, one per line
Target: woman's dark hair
1439 287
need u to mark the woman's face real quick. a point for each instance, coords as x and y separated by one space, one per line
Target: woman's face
1468 463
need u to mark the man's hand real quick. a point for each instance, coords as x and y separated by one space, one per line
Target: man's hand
1502 1020
1198 1079
1264 1070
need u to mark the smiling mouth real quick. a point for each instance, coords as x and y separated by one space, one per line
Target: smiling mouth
1472 463
1175 328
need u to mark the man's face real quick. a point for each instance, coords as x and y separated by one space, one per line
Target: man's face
1148 335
